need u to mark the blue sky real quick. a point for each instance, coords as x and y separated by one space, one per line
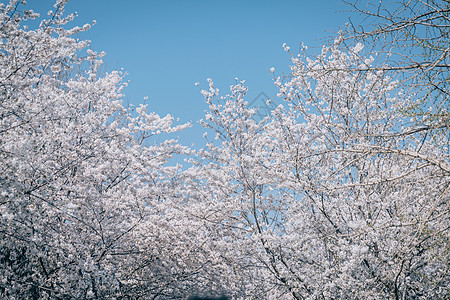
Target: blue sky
168 45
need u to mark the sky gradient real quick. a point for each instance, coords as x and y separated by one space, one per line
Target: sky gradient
167 46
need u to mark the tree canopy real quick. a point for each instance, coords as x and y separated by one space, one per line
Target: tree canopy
342 191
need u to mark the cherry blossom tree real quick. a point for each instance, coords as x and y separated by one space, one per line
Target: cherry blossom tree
411 42
336 194
342 192
88 203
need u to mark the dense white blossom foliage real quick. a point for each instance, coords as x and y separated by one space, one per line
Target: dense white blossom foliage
85 197
337 194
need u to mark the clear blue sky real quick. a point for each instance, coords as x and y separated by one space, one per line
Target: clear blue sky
168 45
